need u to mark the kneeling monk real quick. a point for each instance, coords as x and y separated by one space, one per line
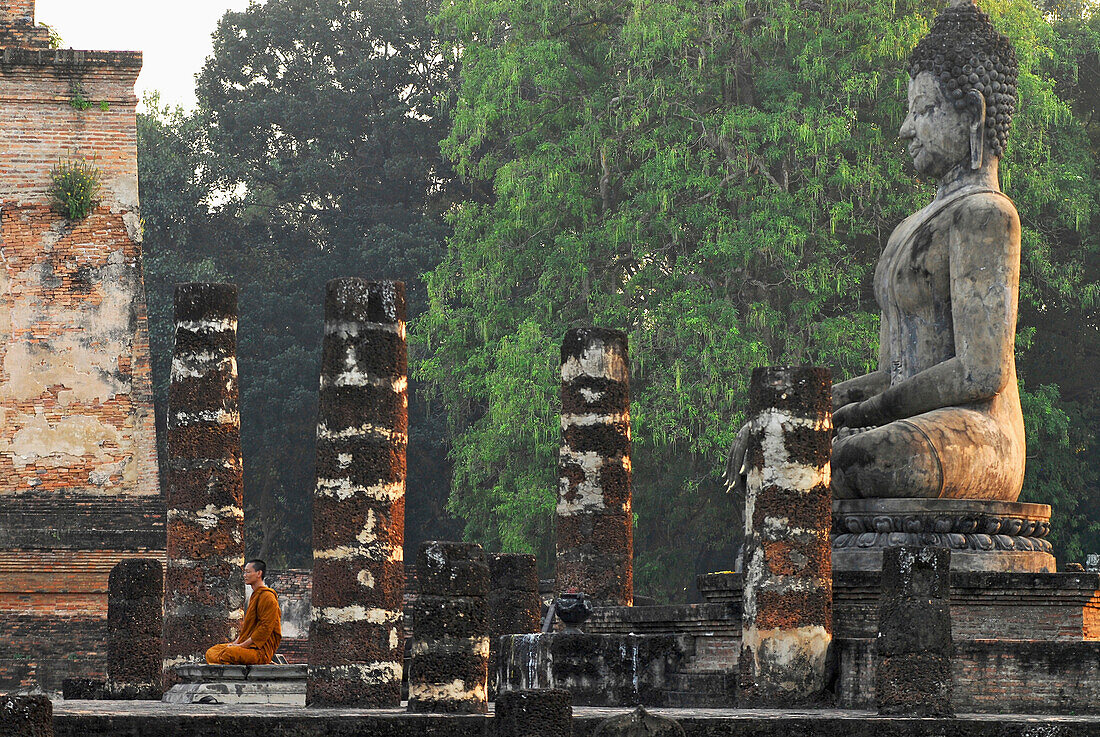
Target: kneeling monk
261 630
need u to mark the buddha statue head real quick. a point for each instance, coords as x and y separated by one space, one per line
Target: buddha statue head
962 93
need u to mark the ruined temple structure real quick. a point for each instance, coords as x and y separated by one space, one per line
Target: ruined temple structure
78 473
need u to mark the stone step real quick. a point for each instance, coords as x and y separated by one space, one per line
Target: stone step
693 700
701 683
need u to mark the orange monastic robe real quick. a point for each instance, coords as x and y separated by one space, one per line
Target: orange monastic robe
263 624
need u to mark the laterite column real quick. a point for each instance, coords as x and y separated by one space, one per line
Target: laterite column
356 635
595 536
787 607
135 616
541 712
450 647
514 604
914 645
204 585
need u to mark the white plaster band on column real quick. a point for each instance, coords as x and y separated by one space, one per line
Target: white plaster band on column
207 416
779 528
378 552
201 365
209 517
452 691
787 584
591 504
354 377
344 489
237 561
596 418
789 643
382 671
793 477
225 325
590 460
351 329
782 420
366 430
354 613
463 645
204 464
598 361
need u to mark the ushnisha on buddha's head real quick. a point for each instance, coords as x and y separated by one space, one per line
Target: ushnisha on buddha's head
962 94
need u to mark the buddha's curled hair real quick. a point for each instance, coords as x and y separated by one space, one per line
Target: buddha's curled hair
965 52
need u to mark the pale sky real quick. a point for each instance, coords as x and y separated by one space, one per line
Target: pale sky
174 36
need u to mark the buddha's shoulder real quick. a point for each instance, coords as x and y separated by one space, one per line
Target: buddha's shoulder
984 208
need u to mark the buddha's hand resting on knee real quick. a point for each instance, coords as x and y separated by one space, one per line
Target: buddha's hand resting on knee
864 414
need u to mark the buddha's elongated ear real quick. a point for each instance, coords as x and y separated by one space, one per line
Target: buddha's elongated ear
976 104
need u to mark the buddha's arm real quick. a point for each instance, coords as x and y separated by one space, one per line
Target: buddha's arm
864 387
985 258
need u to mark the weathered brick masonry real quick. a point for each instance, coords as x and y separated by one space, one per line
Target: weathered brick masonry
78 474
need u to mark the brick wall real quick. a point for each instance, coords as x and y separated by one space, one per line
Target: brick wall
294 586
17 25
17 11
78 473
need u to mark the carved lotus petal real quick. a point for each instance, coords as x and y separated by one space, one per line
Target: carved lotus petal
957 541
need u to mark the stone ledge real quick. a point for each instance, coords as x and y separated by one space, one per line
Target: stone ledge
202 673
69 59
675 619
121 719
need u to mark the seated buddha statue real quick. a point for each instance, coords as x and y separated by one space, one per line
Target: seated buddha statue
941 416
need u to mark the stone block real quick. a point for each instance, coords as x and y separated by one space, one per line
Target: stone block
914 646
534 713
26 716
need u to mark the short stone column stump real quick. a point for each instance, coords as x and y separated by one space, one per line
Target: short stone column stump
284 685
544 712
914 646
448 670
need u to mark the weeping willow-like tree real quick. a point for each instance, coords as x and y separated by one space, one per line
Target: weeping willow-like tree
718 179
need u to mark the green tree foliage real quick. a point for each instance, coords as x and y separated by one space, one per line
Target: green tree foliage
314 153
717 178
1059 308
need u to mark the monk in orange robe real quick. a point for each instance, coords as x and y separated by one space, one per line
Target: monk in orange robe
261 630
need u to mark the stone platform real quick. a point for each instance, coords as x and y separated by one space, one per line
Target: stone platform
239 684
621 669
152 719
1025 642
982 535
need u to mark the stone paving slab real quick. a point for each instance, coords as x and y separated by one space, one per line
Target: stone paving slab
155 719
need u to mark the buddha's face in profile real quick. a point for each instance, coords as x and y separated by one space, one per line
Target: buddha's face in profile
935 131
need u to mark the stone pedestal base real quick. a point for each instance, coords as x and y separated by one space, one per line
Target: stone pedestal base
238 684
598 670
1009 537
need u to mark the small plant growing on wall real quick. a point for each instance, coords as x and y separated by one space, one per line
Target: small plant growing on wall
74 188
